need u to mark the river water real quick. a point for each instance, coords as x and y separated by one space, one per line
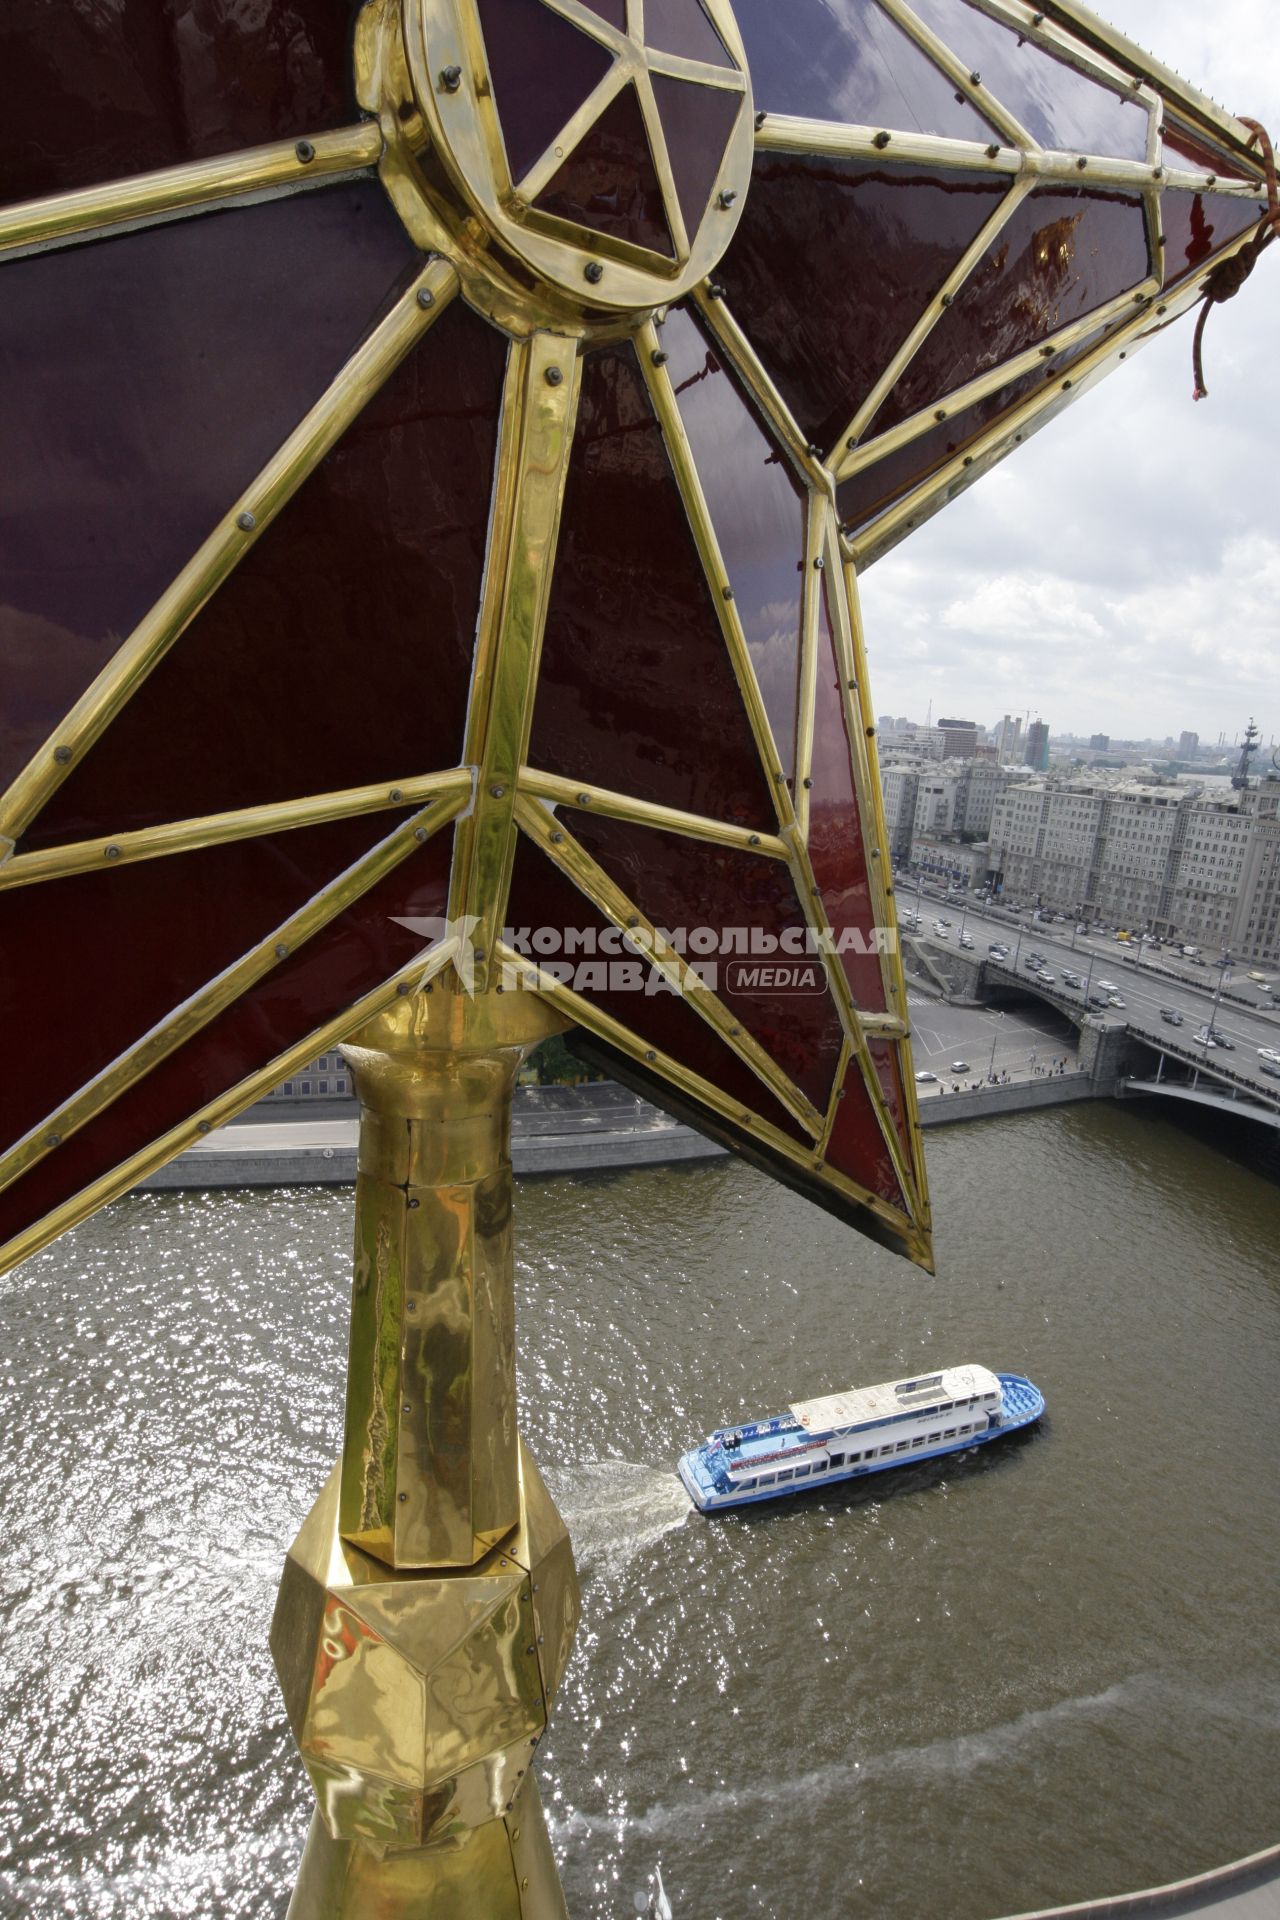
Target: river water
1048 1671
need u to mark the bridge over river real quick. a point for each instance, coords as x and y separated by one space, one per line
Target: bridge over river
1126 1048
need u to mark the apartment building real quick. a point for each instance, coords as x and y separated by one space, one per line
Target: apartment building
1255 925
1201 867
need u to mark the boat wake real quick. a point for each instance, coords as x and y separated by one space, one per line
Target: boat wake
616 1509
1149 1695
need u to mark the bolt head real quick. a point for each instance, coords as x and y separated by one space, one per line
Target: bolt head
111 853
881 139
62 755
281 950
420 834
305 151
450 79
660 358
554 376
425 297
246 521
727 198
594 272
496 792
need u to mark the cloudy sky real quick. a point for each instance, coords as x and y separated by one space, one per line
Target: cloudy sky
1121 573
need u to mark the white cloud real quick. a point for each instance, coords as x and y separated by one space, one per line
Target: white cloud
1120 572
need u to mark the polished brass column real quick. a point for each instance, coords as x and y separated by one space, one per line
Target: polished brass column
428 1605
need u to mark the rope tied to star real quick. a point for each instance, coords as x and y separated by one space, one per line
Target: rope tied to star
1227 278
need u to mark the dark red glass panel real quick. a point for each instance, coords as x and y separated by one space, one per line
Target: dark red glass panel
871 491
697 123
636 690
107 955
614 11
837 848
858 1148
846 60
1058 105
757 509
543 68
681 27
339 652
1065 252
144 382
887 1060
355 954
796 276
609 182
93 90
1198 225
541 896
689 884
1183 148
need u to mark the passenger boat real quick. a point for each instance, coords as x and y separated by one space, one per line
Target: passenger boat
850 1434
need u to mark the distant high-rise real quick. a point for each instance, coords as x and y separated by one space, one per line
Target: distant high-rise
1188 746
960 739
1009 740
1100 742
1037 754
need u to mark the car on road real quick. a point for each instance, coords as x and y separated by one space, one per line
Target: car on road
1107 986
1072 980
926 1078
1269 1053
1098 1000
1047 979
1270 1066
960 1066
1222 1040
966 941
998 950
1171 1016
1114 1000
1031 964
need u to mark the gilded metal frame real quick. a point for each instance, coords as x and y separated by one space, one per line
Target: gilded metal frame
240 527
259 960
255 173
495 793
411 979
581 1011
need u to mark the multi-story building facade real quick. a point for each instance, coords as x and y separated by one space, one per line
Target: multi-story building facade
326 1078
954 799
1173 859
1255 924
1037 753
900 785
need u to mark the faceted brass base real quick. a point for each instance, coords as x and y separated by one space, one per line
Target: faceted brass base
418 1698
503 1871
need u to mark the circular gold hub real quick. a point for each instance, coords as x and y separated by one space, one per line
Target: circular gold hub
605 145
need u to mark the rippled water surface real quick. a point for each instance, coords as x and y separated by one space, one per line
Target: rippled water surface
1044 1672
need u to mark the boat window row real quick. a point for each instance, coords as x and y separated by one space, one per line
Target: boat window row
959 1432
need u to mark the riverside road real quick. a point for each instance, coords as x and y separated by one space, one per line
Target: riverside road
1140 978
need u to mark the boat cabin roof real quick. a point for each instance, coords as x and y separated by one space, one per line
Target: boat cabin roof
862 1404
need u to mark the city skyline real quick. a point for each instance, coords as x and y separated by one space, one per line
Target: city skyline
1117 574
